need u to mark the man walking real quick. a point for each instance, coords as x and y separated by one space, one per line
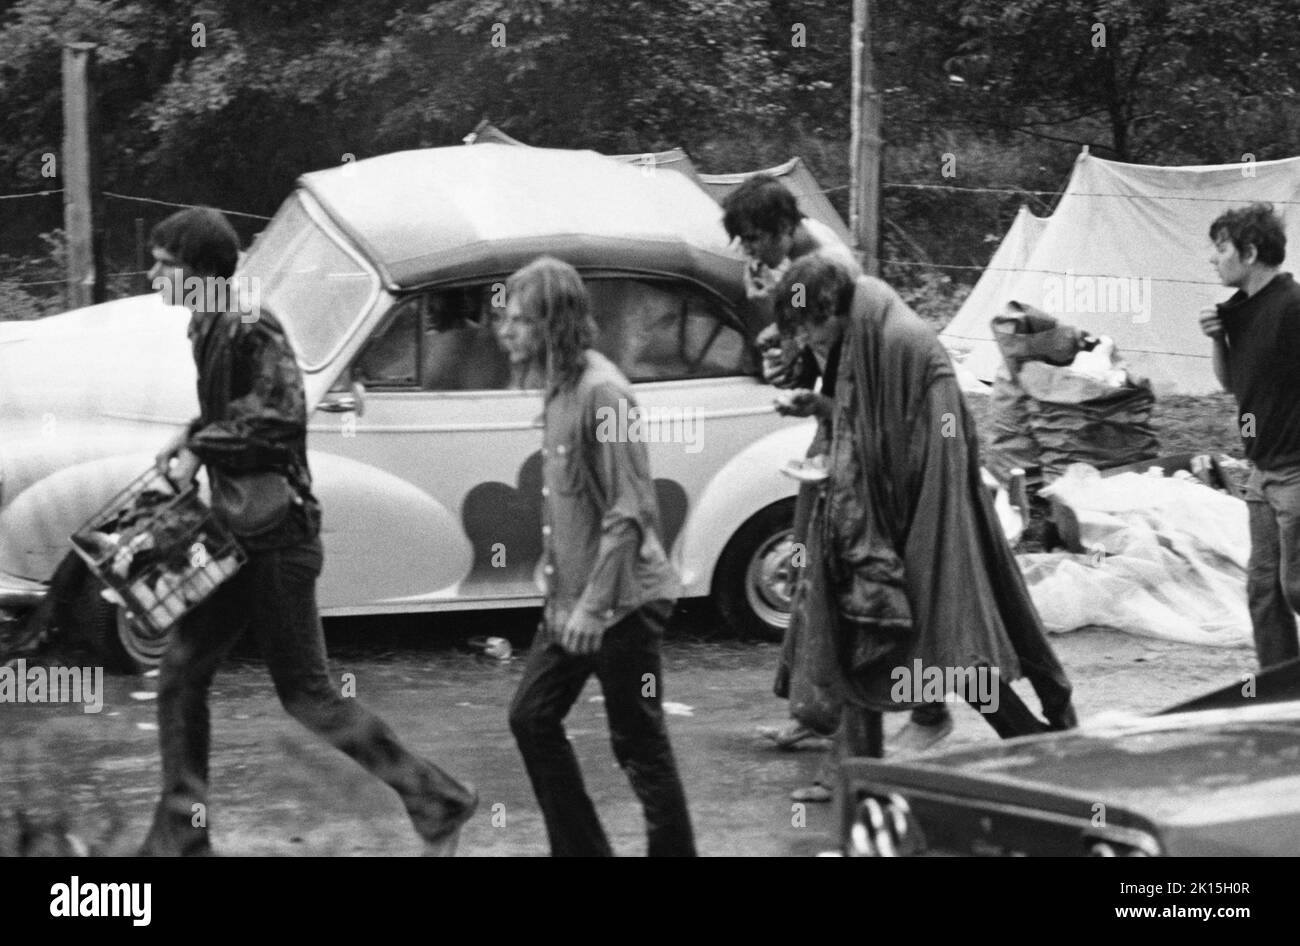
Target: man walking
919 571
609 586
251 433
1256 336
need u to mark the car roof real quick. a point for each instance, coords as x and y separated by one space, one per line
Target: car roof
445 214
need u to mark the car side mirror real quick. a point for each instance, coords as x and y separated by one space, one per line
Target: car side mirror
350 401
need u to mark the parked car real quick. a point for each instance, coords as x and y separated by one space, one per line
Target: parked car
1219 775
384 274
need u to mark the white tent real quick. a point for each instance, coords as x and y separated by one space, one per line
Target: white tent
969 332
1126 254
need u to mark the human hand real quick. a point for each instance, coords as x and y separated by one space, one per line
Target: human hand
1212 321
582 633
184 469
162 462
803 403
758 279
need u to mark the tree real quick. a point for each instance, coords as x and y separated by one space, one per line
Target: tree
1141 80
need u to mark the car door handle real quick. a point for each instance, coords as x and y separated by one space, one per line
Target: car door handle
345 402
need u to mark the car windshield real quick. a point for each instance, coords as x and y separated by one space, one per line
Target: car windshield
316 289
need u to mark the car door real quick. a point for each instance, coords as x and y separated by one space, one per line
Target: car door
439 465
692 370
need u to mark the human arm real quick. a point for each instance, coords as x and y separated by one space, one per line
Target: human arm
617 474
1212 326
264 409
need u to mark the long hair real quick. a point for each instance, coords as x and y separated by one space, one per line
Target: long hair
551 292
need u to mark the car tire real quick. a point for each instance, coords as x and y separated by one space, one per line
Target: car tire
115 639
751 586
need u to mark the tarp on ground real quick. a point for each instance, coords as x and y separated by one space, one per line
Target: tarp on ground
1167 558
1126 254
794 174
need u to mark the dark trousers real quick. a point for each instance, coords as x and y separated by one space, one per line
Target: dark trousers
629 668
1273 574
1012 717
861 729
274 594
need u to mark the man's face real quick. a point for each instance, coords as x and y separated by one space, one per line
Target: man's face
765 246
1228 261
821 338
167 277
518 332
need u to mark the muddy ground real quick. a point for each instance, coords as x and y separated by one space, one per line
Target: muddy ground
276 791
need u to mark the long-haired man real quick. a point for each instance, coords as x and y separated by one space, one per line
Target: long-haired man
609 586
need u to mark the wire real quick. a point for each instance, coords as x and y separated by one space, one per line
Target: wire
32 194
43 282
168 203
1048 272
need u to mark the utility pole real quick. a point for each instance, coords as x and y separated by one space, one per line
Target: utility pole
864 187
81 194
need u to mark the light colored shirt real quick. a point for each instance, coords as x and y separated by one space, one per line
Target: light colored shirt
602 551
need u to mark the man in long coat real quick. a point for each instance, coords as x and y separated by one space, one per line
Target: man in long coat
919 572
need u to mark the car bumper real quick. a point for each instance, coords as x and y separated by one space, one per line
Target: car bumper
18 592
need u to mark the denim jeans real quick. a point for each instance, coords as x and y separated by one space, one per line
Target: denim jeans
1273 574
552 681
274 594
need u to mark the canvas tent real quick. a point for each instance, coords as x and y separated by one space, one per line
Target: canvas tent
794 174
970 330
1126 254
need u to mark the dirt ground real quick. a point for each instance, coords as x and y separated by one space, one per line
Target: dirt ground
277 791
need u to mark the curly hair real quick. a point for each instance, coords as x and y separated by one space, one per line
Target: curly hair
763 203
551 292
814 288
1254 225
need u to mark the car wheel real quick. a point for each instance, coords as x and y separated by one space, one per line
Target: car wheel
117 641
754 580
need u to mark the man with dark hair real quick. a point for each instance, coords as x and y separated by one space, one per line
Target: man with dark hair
1256 335
765 217
251 434
919 572
609 586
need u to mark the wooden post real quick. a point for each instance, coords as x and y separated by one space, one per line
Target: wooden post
81 195
864 187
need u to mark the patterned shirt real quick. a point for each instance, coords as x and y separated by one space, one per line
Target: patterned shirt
252 412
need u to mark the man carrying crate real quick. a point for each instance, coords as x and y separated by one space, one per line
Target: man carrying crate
251 433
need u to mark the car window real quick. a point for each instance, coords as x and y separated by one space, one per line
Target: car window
392 357
436 341
663 330
316 288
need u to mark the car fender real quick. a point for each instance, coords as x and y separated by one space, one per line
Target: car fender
382 535
749 482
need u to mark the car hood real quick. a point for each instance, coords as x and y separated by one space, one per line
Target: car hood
1196 775
126 359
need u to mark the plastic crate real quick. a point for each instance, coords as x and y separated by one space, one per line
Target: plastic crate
158 550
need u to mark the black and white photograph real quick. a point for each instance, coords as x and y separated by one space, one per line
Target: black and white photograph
721 428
